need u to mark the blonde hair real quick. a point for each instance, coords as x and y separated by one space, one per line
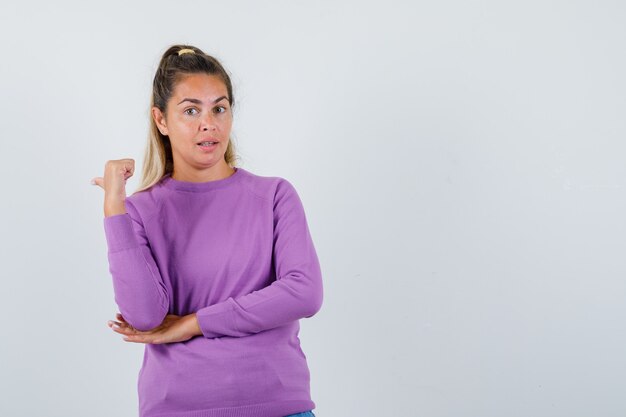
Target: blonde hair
177 62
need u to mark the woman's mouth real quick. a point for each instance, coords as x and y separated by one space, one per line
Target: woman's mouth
207 145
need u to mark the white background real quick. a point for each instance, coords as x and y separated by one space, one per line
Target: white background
461 165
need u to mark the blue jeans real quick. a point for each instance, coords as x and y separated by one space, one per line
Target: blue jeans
302 414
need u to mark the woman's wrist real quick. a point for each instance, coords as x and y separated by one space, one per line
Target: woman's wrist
113 207
194 325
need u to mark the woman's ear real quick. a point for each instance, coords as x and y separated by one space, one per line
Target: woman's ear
160 121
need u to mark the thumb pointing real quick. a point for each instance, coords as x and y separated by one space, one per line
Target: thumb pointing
97 181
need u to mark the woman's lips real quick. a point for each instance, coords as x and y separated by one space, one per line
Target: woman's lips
208 148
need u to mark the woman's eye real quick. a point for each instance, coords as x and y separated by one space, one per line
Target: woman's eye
220 107
191 109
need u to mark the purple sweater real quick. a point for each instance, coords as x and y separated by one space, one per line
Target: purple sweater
238 252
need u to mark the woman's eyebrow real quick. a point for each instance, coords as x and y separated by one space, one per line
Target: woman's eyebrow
196 101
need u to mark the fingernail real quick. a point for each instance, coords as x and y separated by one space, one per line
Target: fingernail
92 181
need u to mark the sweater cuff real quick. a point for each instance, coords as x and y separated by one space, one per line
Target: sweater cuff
119 232
217 320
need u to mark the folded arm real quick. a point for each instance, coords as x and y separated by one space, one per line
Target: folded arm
297 292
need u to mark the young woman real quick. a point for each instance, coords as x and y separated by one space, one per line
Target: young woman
212 265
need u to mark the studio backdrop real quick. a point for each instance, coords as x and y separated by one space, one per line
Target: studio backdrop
461 165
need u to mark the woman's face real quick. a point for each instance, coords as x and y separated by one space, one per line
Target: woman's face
198 111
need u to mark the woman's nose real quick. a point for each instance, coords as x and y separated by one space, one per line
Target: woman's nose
208 123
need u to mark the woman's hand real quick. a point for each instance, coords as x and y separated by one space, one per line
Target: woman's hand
116 172
173 329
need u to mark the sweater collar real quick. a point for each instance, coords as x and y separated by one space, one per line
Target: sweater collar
171 183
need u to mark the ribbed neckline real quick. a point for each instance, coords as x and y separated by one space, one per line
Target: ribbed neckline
173 184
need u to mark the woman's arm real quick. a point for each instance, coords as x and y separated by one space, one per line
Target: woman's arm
111 208
297 292
139 290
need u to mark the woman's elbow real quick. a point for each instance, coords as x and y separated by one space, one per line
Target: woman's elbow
143 321
315 300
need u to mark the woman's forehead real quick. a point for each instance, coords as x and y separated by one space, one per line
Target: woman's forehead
200 86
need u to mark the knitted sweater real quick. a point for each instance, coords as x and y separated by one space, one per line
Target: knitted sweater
238 252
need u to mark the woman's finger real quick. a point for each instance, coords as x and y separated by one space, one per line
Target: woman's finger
99 181
138 339
117 328
123 322
122 328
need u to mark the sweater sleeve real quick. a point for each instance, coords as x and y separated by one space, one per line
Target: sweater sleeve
139 290
297 291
